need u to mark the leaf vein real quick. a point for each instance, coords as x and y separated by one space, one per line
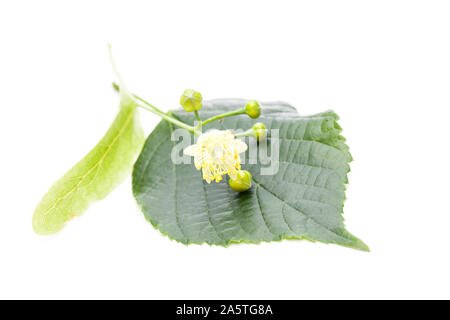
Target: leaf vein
262 214
97 164
296 209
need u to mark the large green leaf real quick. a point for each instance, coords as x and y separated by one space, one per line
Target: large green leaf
96 175
304 200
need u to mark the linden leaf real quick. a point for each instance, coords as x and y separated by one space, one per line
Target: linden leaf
303 200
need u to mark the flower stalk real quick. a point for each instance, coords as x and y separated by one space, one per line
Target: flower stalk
196 130
224 115
151 108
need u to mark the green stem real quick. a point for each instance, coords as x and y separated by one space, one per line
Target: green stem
148 104
224 115
168 118
149 107
197 127
194 130
113 64
248 133
197 116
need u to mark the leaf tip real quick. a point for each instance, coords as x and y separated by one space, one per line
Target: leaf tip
360 245
41 226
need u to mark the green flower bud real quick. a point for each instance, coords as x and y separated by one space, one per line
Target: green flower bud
259 130
191 100
253 109
243 181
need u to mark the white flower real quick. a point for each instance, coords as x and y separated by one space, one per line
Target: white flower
217 153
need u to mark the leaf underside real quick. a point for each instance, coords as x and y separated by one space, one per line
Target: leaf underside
96 175
303 200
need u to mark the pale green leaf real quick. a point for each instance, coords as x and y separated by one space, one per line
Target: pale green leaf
96 175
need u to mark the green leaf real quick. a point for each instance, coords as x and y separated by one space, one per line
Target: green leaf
96 175
303 200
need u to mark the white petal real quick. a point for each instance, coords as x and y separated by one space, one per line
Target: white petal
192 150
240 146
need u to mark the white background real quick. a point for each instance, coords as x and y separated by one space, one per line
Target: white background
383 66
